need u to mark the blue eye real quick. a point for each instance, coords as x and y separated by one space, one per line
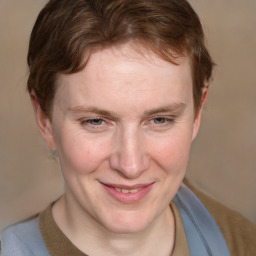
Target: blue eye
160 120
95 124
95 121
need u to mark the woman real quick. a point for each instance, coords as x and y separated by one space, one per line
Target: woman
117 88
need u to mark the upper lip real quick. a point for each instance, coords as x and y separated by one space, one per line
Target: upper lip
121 186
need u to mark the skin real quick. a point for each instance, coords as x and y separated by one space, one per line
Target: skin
127 118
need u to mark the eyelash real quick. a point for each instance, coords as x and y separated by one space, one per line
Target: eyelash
167 121
89 122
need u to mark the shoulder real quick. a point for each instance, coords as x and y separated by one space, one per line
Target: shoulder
23 238
239 232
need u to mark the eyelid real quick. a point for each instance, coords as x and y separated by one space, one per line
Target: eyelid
169 120
95 118
86 124
86 121
92 118
168 117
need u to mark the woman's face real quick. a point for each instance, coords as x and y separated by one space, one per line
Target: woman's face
123 127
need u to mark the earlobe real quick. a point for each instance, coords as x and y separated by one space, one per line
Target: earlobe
199 112
43 123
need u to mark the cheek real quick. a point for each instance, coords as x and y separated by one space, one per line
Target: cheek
81 155
172 152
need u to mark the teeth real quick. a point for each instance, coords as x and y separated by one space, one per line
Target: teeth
126 191
134 190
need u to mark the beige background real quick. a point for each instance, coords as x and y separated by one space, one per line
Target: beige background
223 157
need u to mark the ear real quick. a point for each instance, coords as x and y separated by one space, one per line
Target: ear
199 112
43 123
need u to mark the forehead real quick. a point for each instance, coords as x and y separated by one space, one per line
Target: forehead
122 72
119 56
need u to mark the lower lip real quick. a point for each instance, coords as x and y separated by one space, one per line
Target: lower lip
128 197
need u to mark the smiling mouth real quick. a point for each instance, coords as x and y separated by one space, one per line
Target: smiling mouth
126 191
128 194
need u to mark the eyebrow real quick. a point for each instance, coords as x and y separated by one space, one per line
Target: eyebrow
84 109
168 108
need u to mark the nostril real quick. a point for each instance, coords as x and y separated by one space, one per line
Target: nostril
129 157
129 166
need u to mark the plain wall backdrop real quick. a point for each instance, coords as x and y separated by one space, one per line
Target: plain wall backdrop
223 158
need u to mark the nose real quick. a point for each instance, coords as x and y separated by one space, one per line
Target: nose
129 157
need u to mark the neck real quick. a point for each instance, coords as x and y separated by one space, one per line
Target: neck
75 224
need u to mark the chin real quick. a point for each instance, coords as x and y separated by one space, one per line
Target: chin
128 222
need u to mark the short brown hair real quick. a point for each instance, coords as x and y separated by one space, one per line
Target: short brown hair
66 31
